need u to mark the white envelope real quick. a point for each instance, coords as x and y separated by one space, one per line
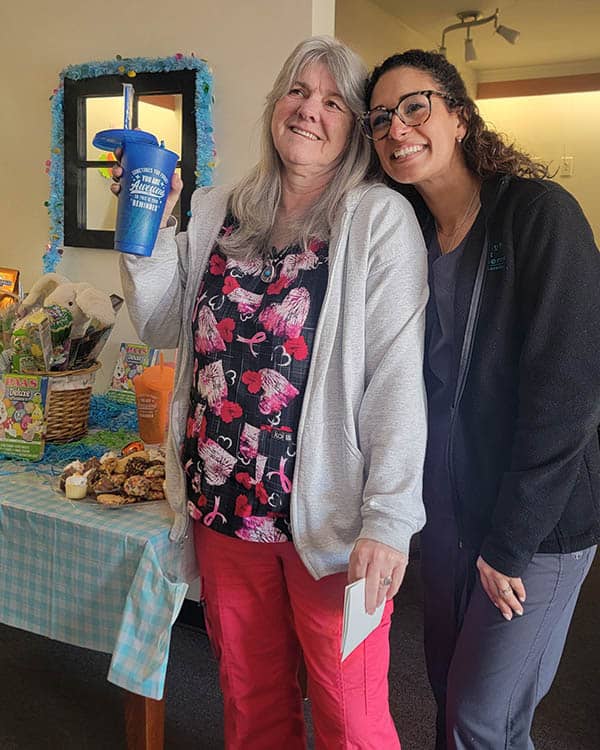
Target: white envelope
358 623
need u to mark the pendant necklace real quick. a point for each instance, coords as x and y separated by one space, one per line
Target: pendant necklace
268 271
469 210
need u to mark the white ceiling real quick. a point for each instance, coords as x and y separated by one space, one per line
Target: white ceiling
552 31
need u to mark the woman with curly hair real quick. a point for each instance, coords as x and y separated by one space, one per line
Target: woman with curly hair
512 474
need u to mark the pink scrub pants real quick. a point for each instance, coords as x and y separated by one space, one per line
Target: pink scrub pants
263 611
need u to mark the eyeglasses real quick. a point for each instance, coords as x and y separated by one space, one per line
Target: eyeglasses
413 109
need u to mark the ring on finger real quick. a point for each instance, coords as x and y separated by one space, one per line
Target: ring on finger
385 581
506 591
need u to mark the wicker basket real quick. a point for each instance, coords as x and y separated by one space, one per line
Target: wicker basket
68 403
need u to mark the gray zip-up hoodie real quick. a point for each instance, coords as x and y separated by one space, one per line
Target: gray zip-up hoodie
362 430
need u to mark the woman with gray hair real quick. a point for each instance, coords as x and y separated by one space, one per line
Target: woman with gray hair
297 431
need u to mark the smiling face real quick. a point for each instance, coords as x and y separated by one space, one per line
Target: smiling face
423 154
311 124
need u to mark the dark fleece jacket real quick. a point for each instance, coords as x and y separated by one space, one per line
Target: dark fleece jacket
524 453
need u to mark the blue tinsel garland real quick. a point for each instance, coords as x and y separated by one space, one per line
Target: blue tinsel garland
205 146
105 415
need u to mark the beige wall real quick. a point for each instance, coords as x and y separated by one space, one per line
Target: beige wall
245 42
550 127
372 32
375 34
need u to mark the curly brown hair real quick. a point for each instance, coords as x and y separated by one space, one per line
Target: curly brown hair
486 153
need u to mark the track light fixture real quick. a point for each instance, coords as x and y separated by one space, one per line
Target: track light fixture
470 18
470 53
511 35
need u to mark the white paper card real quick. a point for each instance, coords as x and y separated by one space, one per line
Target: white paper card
358 623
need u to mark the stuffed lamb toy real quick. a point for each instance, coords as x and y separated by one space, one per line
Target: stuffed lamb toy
82 300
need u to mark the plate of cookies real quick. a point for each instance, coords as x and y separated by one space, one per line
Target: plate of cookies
135 475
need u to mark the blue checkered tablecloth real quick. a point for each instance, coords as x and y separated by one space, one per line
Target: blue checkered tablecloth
103 578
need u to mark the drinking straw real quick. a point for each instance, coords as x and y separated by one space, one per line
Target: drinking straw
127 105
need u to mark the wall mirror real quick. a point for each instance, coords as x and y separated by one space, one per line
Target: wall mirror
173 100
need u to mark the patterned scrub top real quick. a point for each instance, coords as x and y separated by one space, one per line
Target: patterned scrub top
253 329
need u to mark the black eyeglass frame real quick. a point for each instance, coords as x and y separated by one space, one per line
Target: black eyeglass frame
428 93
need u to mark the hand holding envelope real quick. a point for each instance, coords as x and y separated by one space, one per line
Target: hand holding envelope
357 623
382 566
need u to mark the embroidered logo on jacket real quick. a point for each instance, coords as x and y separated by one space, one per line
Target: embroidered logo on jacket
496 257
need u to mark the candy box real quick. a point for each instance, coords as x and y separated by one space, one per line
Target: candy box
9 286
61 322
132 360
22 406
32 343
87 348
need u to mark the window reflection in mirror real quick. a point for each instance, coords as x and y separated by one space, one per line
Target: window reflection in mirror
159 114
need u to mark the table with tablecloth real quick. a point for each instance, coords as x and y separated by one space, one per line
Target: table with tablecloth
104 578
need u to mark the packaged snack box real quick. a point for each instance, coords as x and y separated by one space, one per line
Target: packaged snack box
9 286
32 343
132 360
86 350
22 406
61 322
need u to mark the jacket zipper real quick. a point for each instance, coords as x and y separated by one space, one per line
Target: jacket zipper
333 257
463 370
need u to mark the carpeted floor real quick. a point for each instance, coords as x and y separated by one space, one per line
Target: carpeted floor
55 697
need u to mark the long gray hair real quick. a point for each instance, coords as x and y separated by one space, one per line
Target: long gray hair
255 199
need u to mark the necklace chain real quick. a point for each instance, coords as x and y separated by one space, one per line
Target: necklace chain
278 253
472 205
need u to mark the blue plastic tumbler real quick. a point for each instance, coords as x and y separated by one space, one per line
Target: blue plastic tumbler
145 184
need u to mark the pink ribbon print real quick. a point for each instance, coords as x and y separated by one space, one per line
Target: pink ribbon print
210 517
286 484
258 338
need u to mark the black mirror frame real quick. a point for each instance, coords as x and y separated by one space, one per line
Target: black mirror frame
76 92
189 76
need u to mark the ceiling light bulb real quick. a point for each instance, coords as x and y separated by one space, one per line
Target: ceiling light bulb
470 54
511 35
443 51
